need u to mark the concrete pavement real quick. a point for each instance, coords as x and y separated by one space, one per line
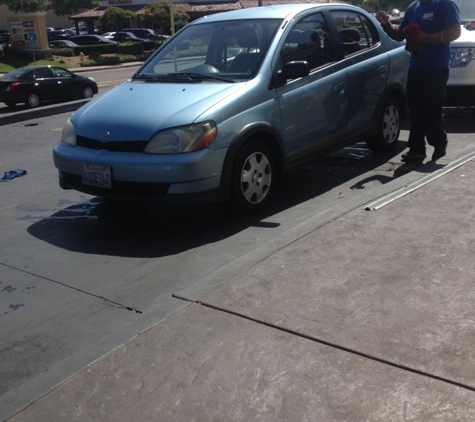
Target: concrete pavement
367 318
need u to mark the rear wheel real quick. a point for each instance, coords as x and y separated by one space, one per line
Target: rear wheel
33 100
253 177
87 92
389 126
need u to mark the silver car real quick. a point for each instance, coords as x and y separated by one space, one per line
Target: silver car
461 83
233 101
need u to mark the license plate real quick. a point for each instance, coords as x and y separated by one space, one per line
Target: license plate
97 175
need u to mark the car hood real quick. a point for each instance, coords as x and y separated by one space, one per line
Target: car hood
138 110
465 37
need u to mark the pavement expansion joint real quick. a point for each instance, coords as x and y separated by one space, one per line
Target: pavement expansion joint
108 301
329 344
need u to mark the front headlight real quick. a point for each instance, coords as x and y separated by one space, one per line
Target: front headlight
68 135
183 139
463 56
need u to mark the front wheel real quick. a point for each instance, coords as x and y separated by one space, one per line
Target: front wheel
253 177
33 100
87 92
389 126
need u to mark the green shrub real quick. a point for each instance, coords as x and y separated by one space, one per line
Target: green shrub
131 48
65 52
100 49
98 60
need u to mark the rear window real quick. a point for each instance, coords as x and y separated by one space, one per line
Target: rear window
13 75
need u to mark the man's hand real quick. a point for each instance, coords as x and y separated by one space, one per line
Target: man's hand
383 18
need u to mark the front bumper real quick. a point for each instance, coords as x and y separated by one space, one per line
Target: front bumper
137 176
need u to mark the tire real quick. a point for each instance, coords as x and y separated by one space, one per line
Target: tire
389 126
253 177
87 92
33 100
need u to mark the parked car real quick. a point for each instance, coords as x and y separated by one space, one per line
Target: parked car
121 36
195 121
83 30
62 44
4 38
146 33
461 83
5 42
91 39
60 34
395 13
34 84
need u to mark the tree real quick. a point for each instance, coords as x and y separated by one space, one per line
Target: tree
25 6
117 18
69 7
157 16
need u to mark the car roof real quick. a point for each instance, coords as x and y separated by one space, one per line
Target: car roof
39 66
281 11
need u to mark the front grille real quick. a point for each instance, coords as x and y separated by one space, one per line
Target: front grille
115 146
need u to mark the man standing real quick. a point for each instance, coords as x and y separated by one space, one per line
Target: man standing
428 26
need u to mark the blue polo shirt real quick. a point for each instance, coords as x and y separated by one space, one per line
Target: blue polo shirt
432 17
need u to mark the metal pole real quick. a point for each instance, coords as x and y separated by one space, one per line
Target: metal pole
172 18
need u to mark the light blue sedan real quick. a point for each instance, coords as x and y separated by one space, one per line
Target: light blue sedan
233 101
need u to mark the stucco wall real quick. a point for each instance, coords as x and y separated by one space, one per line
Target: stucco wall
51 19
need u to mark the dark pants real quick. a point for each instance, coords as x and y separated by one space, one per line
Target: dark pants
426 96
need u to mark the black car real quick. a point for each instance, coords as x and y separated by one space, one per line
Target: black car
60 34
62 44
91 40
33 84
145 33
124 37
4 38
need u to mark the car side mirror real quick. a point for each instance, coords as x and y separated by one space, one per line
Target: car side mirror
294 70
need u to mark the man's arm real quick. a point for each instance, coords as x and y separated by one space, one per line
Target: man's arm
445 36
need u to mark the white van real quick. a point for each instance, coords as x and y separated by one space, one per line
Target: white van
461 84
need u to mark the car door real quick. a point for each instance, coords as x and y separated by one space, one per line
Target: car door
367 67
67 85
44 84
313 108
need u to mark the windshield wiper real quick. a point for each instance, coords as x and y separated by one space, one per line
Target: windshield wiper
181 77
201 76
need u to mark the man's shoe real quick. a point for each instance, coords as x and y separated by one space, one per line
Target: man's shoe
439 152
412 155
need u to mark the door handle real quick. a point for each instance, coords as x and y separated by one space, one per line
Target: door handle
340 88
383 71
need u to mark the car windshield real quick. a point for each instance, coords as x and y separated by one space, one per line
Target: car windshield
224 51
467 10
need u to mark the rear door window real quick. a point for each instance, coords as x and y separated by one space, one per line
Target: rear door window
356 32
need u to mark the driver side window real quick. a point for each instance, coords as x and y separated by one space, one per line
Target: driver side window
309 41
